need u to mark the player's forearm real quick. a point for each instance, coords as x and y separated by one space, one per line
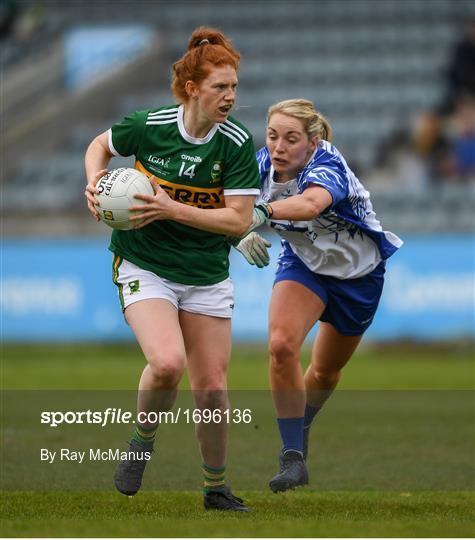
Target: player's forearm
305 207
97 157
295 208
227 221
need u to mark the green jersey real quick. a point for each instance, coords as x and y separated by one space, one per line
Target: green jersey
198 172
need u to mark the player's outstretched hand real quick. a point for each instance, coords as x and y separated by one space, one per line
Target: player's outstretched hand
254 249
91 192
156 207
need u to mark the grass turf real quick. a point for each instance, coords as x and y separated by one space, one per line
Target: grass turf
303 513
118 367
297 514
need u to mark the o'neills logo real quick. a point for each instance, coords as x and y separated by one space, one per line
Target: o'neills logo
194 159
105 184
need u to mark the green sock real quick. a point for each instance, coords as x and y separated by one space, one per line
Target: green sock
213 478
145 435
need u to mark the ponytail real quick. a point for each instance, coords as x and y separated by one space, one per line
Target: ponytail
207 47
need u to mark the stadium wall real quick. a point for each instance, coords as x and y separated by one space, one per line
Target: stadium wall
61 290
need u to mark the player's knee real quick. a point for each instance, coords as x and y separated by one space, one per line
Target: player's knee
327 378
282 348
211 399
166 372
211 381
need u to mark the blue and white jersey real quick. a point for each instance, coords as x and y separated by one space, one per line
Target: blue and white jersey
346 241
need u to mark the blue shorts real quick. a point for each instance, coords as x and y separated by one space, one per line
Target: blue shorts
350 304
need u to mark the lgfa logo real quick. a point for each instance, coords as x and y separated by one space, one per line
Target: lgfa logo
158 160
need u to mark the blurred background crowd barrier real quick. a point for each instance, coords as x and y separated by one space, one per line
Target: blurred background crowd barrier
396 79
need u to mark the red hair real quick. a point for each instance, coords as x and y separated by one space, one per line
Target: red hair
207 48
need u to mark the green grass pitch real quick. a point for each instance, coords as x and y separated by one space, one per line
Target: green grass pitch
400 410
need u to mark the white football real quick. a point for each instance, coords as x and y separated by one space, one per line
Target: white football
116 194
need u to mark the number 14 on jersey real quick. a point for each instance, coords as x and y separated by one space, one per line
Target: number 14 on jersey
190 171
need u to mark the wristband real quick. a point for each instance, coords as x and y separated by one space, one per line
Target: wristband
266 209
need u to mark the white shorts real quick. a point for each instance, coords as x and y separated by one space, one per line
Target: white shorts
135 284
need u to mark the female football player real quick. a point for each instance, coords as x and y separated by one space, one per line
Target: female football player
331 269
172 270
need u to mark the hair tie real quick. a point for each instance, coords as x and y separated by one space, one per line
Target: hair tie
204 42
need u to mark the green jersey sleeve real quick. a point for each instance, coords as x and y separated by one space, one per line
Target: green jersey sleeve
241 171
126 135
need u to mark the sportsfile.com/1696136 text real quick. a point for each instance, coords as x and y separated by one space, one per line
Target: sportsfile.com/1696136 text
113 415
